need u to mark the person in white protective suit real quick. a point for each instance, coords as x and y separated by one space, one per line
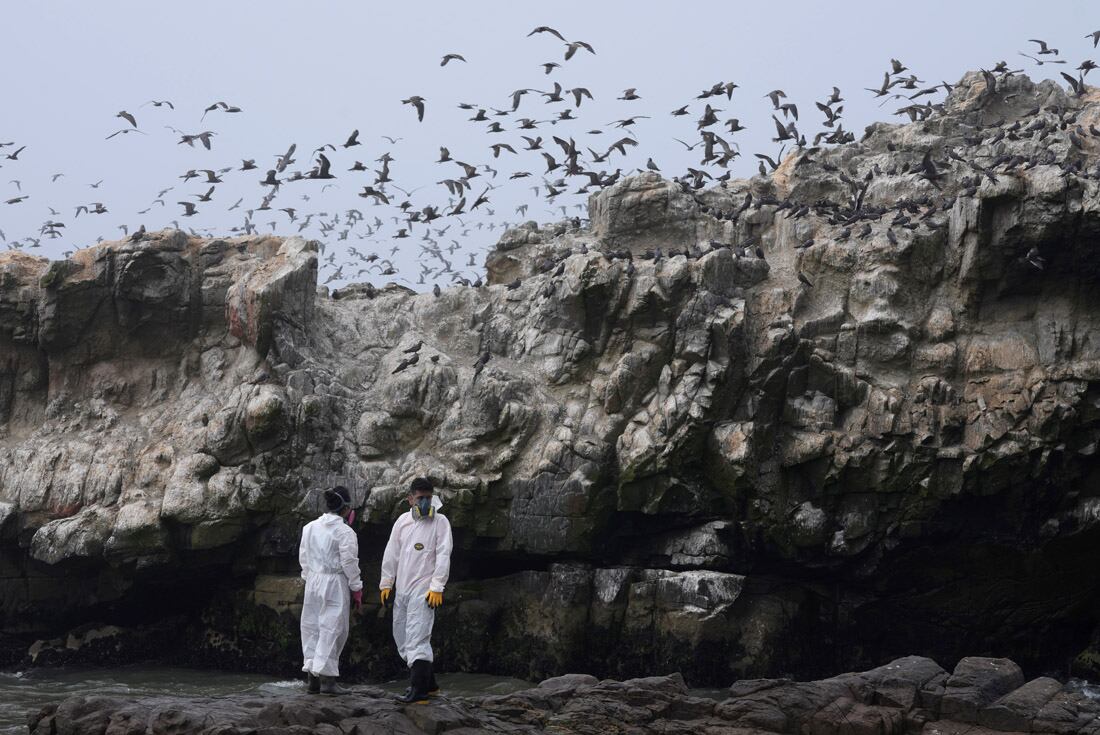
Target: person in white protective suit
415 567
329 555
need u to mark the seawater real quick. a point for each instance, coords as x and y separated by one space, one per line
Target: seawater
24 692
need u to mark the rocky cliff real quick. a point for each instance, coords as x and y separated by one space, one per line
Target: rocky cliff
799 423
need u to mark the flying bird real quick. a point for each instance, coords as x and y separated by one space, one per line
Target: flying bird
452 57
124 131
551 31
571 48
418 102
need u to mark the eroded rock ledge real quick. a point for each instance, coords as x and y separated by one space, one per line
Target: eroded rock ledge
908 695
660 449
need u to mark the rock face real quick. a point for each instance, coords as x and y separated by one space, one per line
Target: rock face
792 424
907 695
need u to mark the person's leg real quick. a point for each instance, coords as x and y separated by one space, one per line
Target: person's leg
418 648
400 623
311 605
418 630
333 628
400 616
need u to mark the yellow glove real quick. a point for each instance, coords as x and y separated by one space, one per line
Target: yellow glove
435 599
386 594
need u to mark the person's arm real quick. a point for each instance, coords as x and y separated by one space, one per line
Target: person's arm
443 545
349 559
302 553
389 558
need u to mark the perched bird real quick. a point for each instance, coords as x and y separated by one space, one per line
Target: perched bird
481 362
1035 258
406 363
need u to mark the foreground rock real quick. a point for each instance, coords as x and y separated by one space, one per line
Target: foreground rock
847 411
907 695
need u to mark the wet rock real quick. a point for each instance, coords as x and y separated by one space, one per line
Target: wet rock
853 702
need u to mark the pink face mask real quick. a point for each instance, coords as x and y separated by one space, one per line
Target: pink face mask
351 518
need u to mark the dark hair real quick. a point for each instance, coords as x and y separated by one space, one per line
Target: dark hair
421 484
337 498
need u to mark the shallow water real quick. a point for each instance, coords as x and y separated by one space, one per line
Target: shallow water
24 692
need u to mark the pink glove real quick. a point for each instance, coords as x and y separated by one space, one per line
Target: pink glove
357 597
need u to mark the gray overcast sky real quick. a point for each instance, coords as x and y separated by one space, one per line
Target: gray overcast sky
312 72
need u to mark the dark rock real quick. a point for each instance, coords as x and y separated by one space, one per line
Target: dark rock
846 704
976 682
1016 710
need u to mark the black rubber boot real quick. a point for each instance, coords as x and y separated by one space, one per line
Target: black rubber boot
328 686
314 683
420 679
433 685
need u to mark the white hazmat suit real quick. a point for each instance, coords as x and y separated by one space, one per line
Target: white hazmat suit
329 555
417 559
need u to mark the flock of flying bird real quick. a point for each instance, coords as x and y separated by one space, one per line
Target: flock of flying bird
561 168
